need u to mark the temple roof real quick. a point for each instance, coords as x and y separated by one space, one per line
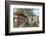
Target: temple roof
20 14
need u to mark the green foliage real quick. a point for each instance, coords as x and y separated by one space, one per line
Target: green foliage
25 11
34 24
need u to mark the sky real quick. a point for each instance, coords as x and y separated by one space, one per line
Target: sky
36 11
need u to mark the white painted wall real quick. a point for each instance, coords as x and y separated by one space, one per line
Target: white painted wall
28 0
2 17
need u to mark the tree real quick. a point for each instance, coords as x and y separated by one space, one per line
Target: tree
25 11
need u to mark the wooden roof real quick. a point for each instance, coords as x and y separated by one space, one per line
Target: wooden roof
20 14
